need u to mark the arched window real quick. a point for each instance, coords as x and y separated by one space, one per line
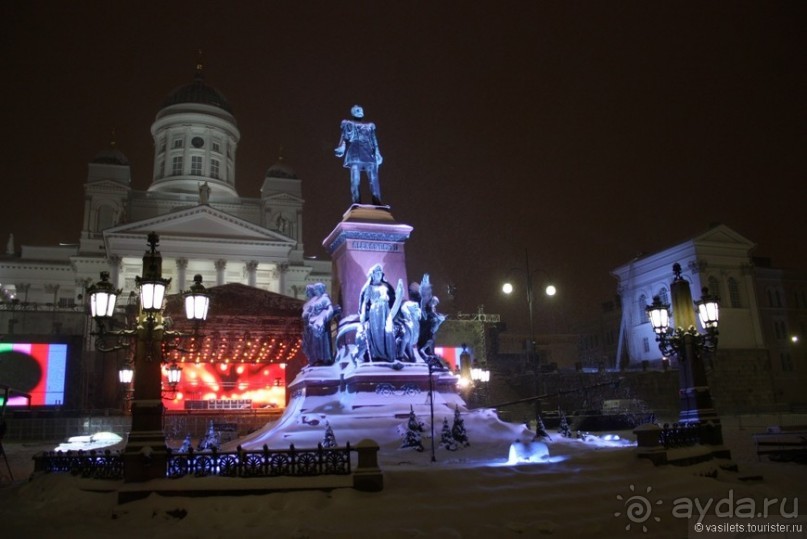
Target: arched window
714 286
106 218
734 293
641 310
664 295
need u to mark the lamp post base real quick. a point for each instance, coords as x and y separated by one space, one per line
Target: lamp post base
146 454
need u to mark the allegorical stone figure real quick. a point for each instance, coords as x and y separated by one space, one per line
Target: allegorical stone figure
318 312
378 305
430 319
359 147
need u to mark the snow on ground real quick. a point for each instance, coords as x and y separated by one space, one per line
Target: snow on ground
582 490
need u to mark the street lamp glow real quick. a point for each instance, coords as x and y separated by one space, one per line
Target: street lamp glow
507 288
551 290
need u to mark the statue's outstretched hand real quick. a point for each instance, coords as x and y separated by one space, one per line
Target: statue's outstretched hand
378 159
339 151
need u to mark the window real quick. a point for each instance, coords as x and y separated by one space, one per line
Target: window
196 165
178 143
641 307
780 329
646 345
786 361
216 146
176 166
664 296
734 293
214 168
67 302
714 286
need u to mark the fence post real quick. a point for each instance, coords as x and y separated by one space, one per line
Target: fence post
368 476
648 445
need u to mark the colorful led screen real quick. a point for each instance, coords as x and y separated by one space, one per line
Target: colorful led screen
35 368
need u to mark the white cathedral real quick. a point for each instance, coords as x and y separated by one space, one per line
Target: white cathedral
205 226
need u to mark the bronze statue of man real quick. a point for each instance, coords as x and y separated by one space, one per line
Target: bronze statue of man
359 147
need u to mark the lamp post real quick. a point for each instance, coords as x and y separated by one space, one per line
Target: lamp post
145 455
430 361
690 346
550 290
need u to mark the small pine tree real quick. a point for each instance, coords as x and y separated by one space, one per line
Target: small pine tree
187 445
564 428
329 441
447 438
211 440
540 429
414 423
458 429
413 429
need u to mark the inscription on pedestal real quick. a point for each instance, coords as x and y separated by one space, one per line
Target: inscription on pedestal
378 246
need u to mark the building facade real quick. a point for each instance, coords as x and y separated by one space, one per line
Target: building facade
205 226
761 363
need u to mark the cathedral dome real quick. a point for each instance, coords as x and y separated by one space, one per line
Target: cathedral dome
110 156
197 92
281 170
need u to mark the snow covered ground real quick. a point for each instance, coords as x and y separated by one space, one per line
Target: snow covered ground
593 488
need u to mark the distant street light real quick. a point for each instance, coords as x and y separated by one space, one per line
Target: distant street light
549 290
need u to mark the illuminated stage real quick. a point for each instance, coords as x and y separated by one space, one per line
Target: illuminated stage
251 343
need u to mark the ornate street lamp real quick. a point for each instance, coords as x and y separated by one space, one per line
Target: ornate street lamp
145 455
197 301
689 346
103 297
174 375
126 373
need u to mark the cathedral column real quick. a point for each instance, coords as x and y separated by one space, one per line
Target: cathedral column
182 266
220 264
114 270
252 272
53 289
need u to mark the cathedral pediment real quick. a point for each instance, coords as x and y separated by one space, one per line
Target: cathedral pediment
199 231
284 198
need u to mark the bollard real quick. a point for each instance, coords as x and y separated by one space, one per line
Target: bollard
368 476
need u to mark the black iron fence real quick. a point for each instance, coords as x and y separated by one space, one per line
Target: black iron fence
240 463
689 434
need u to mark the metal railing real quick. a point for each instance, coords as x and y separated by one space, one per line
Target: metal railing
240 463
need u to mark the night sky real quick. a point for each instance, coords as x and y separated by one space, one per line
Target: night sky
585 132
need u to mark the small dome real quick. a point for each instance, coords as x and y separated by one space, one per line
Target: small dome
281 170
197 92
110 156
